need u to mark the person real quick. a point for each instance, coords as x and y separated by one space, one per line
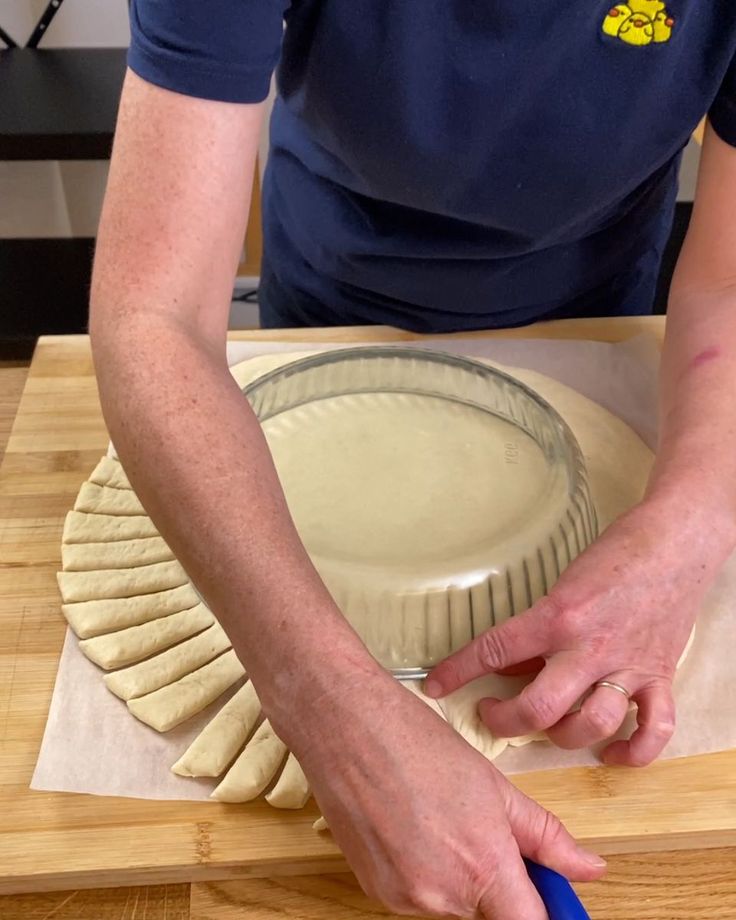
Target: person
437 165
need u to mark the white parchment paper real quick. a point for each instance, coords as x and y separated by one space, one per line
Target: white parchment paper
93 745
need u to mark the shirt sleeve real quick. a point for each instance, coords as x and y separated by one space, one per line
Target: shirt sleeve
214 49
723 112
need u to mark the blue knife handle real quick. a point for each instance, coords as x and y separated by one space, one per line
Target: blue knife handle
557 893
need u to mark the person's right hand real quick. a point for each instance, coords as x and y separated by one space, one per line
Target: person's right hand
427 824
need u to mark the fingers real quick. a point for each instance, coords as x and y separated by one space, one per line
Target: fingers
600 716
517 640
513 895
541 836
656 720
541 703
523 668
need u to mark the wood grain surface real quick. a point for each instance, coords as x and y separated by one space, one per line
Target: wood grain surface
12 376
152 902
53 841
664 886
688 885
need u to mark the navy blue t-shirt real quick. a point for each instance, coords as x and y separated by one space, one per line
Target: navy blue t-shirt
458 164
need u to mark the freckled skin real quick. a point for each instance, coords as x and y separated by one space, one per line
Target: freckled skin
703 357
593 613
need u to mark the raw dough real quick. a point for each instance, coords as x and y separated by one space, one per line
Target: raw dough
104 500
254 769
111 583
118 516
83 557
615 487
292 788
415 686
149 675
414 595
117 649
93 618
245 372
688 647
441 531
220 740
81 527
460 709
109 472
173 704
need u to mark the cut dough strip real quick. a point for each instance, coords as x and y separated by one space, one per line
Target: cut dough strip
415 687
149 675
93 618
109 472
117 649
104 500
81 527
292 788
688 647
126 554
171 705
460 709
220 740
254 769
110 583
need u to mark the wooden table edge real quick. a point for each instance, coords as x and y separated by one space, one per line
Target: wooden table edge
597 329
330 865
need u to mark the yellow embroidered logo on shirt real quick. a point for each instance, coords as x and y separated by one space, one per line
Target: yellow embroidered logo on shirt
639 22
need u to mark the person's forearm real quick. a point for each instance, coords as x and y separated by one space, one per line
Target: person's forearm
696 458
695 472
196 455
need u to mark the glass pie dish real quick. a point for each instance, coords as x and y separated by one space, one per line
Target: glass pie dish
436 496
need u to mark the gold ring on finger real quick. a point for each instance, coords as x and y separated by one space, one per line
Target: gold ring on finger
612 686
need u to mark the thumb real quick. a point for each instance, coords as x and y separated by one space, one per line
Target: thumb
541 836
512 893
519 639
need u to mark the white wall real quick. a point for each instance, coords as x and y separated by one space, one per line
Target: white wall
32 201
18 17
88 24
689 172
78 23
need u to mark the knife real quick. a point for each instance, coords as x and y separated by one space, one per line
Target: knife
556 892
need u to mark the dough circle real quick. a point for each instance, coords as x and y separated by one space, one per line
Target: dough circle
120 580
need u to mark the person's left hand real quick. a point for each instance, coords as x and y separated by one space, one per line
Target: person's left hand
621 612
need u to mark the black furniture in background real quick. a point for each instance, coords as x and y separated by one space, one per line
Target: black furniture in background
55 104
59 104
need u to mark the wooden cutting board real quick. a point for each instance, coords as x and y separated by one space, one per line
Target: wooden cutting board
54 841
